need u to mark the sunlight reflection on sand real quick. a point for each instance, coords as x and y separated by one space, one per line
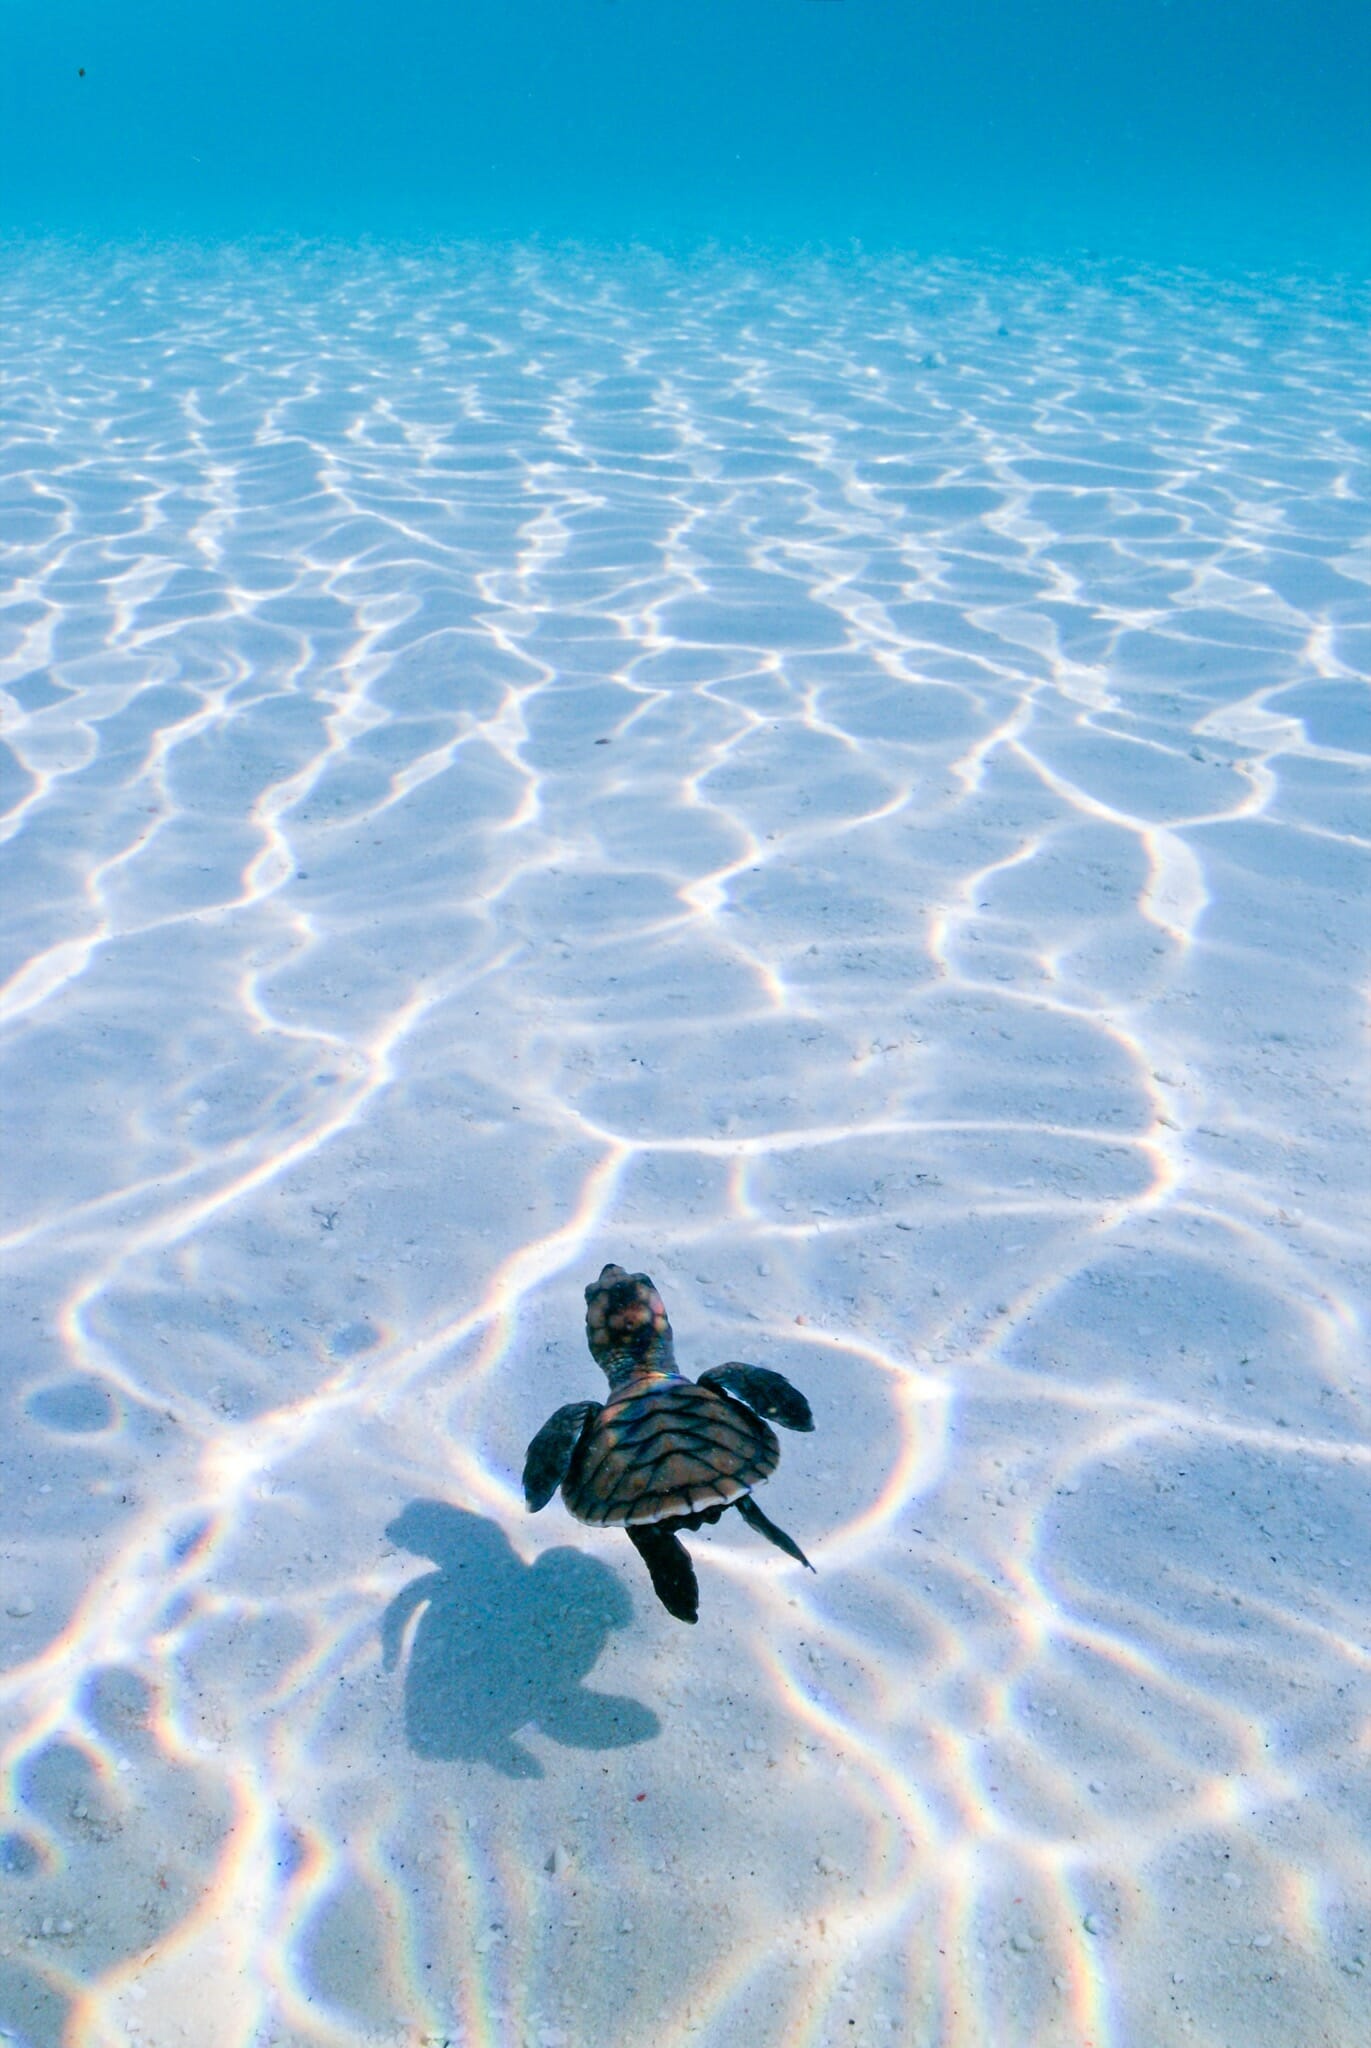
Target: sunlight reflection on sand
843 786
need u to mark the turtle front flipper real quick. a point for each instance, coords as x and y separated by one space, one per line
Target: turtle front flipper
766 1393
755 1519
550 1453
669 1567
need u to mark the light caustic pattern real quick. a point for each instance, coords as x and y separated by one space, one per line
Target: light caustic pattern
842 786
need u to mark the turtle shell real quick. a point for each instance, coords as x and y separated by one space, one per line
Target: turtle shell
663 1448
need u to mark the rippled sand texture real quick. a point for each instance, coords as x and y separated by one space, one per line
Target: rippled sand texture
844 788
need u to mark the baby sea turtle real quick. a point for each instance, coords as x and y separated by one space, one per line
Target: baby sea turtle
663 1453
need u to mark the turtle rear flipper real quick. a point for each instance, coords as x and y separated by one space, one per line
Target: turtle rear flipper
755 1519
549 1455
765 1393
669 1567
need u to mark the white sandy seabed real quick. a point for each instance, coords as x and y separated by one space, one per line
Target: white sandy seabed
841 786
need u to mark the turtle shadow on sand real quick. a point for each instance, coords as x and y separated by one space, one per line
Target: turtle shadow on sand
501 1646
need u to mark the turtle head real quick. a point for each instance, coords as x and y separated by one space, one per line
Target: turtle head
626 1326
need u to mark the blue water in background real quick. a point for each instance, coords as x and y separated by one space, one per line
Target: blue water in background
1223 132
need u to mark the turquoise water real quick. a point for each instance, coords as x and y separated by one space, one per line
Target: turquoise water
1222 131
734 641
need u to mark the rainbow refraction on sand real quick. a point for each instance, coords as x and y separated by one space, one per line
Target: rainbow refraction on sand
842 783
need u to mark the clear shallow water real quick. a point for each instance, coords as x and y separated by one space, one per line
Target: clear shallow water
844 786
